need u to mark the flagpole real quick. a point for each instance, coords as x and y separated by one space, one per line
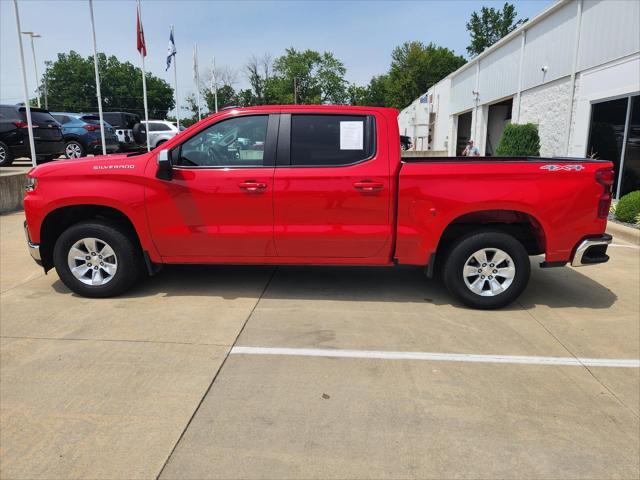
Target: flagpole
95 65
175 85
26 88
146 109
215 82
196 75
144 83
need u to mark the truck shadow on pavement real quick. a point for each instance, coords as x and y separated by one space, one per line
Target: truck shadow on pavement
555 288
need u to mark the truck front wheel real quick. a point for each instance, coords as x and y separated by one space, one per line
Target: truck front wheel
97 259
487 269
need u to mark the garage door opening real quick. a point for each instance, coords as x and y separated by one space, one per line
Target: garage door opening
499 117
464 132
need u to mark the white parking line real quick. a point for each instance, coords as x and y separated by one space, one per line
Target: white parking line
439 357
623 246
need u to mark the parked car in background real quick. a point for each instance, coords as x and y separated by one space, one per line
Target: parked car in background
160 131
123 123
82 135
14 135
405 142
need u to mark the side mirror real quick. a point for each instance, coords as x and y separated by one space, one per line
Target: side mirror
165 172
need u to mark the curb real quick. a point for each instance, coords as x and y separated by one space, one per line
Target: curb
622 232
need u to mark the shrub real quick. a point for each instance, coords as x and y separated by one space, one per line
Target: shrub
519 141
628 207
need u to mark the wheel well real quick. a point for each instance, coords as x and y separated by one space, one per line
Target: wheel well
59 220
525 228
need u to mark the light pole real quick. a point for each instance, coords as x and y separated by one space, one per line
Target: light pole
33 35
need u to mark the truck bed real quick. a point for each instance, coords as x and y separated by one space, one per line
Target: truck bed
559 196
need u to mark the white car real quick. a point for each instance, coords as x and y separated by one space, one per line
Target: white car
160 131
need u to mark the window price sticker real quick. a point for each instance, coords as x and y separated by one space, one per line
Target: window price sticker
351 135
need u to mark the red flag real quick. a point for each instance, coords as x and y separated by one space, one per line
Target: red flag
142 48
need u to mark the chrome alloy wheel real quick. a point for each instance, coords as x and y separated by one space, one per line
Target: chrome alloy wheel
489 272
3 154
73 150
92 261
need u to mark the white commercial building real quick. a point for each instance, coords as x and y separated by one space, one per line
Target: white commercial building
574 70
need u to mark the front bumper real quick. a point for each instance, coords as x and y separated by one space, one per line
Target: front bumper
591 251
34 248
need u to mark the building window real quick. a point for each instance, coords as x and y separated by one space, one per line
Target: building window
614 134
630 179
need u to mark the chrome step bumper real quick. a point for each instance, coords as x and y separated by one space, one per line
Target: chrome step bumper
591 251
34 248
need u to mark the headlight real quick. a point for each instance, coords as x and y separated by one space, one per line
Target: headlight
31 184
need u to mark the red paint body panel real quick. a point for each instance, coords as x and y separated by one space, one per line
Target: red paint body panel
432 195
320 215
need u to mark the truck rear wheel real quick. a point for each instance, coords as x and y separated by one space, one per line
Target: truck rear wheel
97 259
487 269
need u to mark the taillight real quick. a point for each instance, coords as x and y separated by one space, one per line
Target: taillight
605 178
21 124
91 127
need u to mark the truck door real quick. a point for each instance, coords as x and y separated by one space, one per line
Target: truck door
332 187
220 200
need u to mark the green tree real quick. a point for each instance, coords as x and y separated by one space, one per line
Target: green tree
71 86
378 91
490 25
416 67
306 77
227 97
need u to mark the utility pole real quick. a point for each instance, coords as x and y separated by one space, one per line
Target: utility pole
214 83
33 35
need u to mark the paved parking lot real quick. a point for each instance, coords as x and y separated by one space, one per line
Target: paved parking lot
261 372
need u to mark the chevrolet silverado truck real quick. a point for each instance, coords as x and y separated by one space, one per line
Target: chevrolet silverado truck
314 185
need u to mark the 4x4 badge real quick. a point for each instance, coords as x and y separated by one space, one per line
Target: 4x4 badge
555 168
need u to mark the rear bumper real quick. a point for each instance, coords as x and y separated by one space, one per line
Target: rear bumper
591 251
34 248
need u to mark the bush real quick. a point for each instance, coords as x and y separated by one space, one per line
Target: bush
628 207
519 141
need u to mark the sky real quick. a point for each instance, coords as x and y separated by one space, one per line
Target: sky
360 33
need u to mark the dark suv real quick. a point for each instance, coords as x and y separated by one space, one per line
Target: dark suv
82 134
123 123
14 134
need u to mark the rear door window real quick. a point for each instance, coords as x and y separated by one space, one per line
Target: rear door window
41 118
331 140
158 127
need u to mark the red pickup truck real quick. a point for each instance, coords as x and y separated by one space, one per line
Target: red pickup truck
314 185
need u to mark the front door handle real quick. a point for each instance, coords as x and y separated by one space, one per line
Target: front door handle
252 186
368 186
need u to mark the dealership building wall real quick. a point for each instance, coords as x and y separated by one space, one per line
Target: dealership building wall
558 71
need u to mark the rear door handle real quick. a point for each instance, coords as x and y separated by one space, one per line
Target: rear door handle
368 186
252 186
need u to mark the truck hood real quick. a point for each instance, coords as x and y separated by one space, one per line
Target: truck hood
97 164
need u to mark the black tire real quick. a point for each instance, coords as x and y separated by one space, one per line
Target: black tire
464 248
127 252
6 155
75 146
